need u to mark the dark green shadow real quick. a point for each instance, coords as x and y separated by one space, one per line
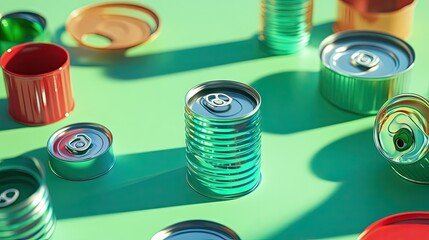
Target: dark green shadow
291 102
369 190
6 122
319 33
137 182
120 67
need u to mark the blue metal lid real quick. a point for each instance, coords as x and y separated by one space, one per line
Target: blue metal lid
366 54
223 99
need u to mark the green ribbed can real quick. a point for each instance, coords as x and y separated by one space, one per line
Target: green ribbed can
21 27
285 25
360 70
401 134
25 207
223 139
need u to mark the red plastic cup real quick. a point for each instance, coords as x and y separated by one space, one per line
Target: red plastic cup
37 78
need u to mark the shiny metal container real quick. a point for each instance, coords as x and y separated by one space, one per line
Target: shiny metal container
285 25
401 135
25 207
223 139
360 70
81 151
196 230
391 16
21 27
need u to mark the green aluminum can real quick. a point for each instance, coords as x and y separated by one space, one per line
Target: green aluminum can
21 27
360 70
223 139
81 151
285 25
25 207
401 135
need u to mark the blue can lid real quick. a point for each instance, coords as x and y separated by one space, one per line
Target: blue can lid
223 99
366 54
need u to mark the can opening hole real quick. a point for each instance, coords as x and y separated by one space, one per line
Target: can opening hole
96 40
34 58
400 143
19 30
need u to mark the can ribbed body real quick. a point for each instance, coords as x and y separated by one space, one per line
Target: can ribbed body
401 134
285 25
415 172
223 154
38 84
31 215
393 17
360 95
40 101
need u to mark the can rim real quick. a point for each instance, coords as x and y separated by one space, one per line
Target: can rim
12 165
394 219
231 83
60 131
129 5
359 33
34 77
42 19
380 113
204 224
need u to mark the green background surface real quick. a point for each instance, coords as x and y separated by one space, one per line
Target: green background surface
322 176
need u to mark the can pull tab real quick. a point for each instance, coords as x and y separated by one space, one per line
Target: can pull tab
364 59
79 144
218 102
8 197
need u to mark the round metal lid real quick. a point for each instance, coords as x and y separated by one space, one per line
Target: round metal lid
366 54
401 129
223 99
409 225
196 230
21 179
113 26
80 142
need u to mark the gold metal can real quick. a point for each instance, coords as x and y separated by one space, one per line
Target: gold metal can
391 16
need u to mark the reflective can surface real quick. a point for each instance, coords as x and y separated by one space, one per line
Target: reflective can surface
391 16
38 83
21 27
196 230
25 208
81 151
360 70
401 133
285 25
223 139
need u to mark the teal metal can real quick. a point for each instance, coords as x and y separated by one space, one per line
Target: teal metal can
285 25
360 70
81 151
401 135
21 27
223 139
25 207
